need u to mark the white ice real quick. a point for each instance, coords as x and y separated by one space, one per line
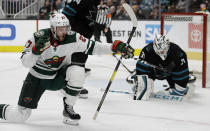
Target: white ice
118 113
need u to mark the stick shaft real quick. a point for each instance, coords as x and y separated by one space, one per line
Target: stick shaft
130 12
111 79
123 65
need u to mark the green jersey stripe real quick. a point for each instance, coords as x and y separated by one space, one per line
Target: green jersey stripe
90 50
88 46
44 72
71 91
43 66
74 87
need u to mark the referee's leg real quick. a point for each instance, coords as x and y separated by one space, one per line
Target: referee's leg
97 32
108 35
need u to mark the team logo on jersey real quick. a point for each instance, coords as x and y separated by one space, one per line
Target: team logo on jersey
151 30
27 99
55 61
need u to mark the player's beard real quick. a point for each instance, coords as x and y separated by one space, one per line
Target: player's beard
62 37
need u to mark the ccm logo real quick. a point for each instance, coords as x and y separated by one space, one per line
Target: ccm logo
4 32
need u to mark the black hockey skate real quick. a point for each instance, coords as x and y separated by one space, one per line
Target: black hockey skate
87 70
70 117
83 94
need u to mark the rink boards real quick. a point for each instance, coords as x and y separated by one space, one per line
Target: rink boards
14 34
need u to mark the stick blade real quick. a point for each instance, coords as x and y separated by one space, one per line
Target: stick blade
130 12
95 115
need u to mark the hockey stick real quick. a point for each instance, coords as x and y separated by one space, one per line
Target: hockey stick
154 66
123 64
153 96
131 14
146 63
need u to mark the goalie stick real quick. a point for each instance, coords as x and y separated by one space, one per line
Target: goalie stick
146 63
153 96
154 66
123 64
131 14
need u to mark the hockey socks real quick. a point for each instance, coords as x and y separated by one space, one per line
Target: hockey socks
3 110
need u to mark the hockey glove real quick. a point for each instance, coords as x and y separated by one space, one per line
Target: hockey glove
126 51
41 45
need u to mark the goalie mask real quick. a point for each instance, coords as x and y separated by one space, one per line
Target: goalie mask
59 20
161 46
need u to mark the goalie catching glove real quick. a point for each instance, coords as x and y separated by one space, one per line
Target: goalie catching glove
41 45
126 51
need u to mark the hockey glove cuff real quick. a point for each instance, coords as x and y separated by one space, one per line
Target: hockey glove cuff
126 51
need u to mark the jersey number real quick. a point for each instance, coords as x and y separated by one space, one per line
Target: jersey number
28 44
82 38
182 61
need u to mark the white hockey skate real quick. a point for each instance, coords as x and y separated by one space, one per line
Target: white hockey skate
70 117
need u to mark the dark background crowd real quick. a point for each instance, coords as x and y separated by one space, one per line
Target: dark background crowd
144 9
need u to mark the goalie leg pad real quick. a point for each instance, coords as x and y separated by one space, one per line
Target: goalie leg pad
144 87
191 90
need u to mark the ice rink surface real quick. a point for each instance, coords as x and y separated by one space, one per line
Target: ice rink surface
118 113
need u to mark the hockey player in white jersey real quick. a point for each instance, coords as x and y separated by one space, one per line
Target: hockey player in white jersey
48 55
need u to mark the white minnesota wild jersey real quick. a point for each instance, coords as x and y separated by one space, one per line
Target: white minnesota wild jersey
46 65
